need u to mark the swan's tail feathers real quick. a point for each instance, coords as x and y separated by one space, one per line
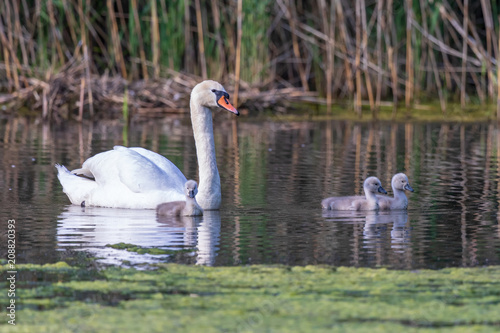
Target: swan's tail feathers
83 172
76 188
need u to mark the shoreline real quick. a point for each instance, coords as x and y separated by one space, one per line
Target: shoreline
180 298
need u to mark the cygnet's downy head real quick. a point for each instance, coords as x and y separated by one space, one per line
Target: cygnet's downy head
400 182
212 94
373 185
191 188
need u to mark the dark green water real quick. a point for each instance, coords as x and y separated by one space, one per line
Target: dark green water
274 175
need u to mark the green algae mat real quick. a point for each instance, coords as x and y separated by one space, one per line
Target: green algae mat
179 298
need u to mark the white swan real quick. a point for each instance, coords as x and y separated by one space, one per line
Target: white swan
141 179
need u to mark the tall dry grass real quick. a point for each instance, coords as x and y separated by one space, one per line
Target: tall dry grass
388 52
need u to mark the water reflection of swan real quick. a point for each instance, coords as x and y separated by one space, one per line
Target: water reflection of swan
208 238
376 223
91 228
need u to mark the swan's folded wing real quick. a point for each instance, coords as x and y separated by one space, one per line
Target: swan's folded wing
160 161
140 174
126 167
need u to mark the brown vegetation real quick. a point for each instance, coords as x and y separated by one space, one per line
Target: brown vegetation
80 57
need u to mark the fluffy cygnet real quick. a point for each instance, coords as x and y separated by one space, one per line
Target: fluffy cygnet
182 208
399 184
371 186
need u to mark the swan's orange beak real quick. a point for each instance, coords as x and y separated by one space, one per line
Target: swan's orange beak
224 103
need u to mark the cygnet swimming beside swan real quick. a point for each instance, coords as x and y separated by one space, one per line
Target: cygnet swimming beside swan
371 186
182 208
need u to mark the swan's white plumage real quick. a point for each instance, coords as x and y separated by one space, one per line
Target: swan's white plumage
125 178
141 179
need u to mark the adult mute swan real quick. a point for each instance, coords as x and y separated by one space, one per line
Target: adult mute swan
182 208
371 186
141 179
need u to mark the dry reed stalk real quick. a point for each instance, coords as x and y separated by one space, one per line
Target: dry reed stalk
68 12
155 37
448 73
464 55
89 85
481 86
12 47
490 32
6 55
474 44
432 58
38 28
498 82
123 24
17 27
479 90
364 46
409 55
201 45
218 37
30 27
55 38
329 52
393 57
189 54
344 46
82 93
8 21
229 24
117 49
380 25
290 13
83 34
238 52
357 60
138 33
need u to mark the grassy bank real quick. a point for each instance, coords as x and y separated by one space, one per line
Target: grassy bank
80 57
177 298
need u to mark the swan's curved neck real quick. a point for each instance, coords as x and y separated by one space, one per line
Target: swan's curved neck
399 194
370 196
209 196
372 199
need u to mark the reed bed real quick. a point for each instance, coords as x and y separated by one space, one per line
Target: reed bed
78 58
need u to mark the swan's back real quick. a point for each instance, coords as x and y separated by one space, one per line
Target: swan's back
125 178
137 168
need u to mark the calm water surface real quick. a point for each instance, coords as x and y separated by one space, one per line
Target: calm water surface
274 175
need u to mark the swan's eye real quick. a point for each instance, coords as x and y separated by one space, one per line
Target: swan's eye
213 90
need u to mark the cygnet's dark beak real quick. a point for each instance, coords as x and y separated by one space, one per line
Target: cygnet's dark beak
191 193
408 187
381 190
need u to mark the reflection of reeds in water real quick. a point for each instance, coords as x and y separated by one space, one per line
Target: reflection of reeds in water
273 168
343 49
